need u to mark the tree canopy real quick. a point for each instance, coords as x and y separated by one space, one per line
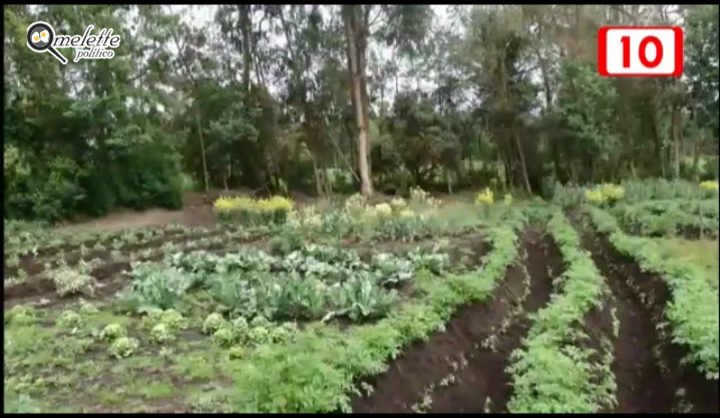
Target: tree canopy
329 98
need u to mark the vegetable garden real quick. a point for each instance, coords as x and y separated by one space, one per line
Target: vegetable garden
417 305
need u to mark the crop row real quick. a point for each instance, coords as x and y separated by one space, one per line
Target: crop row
116 251
319 370
46 242
82 278
352 224
555 371
642 190
310 283
694 309
669 217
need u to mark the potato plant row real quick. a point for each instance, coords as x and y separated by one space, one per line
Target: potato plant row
554 371
693 311
669 217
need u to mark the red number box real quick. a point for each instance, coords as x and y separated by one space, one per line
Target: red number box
640 51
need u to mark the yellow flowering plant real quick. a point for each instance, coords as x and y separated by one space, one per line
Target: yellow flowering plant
383 209
612 192
307 218
709 185
253 211
605 193
485 197
594 196
355 204
396 219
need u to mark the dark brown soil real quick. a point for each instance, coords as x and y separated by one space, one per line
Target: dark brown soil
73 256
468 251
46 252
43 288
30 265
485 372
39 287
693 233
643 385
424 365
598 325
685 231
30 287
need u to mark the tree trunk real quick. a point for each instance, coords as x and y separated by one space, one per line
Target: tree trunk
657 140
523 166
246 47
366 115
676 135
245 28
316 172
361 31
356 81
506 177
202 148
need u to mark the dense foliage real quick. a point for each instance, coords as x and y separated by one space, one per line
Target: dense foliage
260 97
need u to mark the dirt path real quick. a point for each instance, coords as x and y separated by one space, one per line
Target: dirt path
641 386
644 386
453 371
197 211
190 216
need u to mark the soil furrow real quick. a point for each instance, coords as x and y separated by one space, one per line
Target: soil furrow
50 251
647 366
34 266
486 365
424 365
43 288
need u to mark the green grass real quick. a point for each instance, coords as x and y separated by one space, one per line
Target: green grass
703 253
69 369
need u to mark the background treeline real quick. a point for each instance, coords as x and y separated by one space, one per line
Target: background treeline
336 99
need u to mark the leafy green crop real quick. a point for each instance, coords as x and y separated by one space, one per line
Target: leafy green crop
694 310
315 371
313 282
667 217
123 347
69 319
162 287
224 336
212 323
21 314
551 372
162 333
113 332
68 281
